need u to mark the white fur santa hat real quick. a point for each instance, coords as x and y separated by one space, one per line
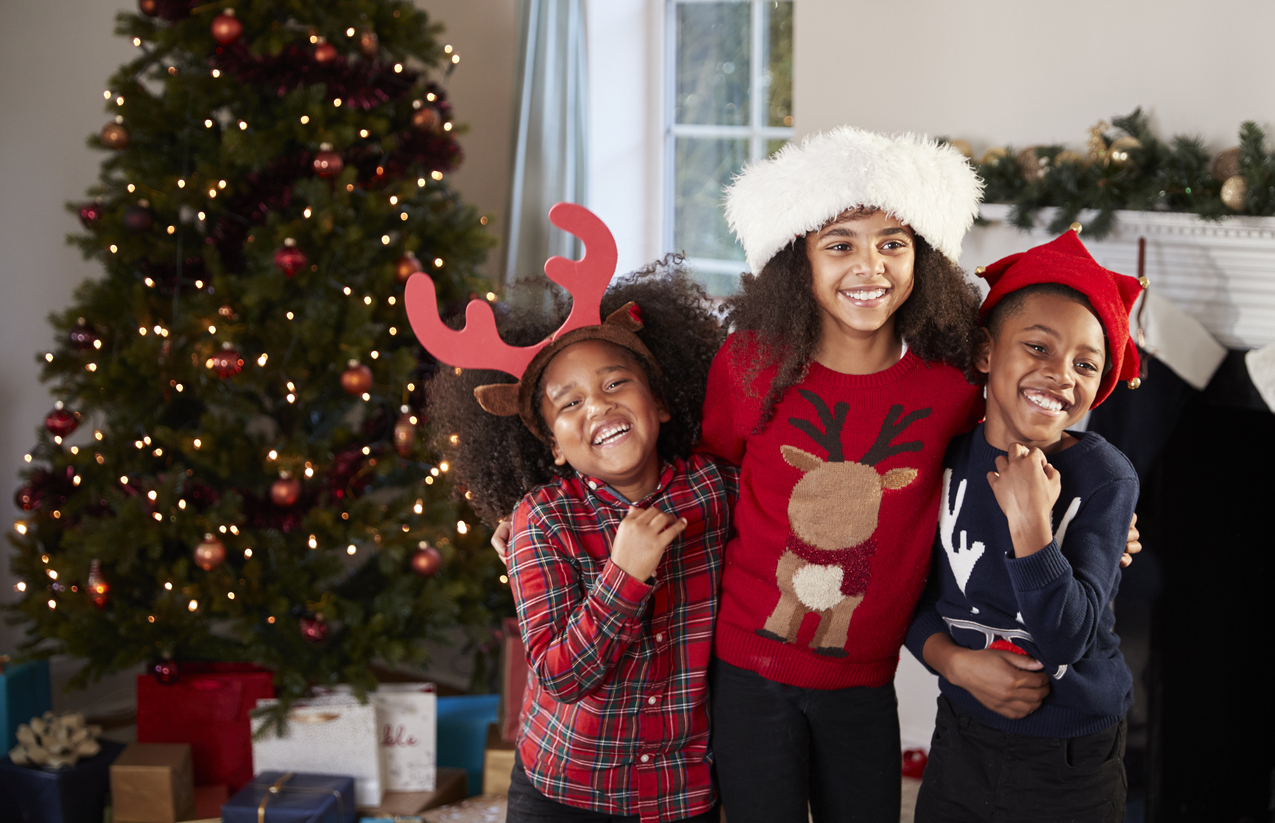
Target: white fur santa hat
923 184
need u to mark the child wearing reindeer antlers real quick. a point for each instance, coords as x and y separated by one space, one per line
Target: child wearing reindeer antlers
1017 619
618 529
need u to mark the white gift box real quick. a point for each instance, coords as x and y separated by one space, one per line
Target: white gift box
407 721
326 735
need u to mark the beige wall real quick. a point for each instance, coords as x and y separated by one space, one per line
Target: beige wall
1005 71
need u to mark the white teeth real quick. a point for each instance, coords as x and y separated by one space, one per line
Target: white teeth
1044 401
865 294
607 433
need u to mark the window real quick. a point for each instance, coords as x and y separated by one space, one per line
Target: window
728 102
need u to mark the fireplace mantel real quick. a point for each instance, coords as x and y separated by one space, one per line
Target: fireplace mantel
1222 272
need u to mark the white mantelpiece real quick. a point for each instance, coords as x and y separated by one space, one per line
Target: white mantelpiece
1220 272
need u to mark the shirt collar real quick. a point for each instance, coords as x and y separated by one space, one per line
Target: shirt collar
610 495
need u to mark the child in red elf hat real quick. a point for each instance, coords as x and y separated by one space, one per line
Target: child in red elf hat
1016 619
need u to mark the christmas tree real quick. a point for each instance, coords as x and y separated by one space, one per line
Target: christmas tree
235 468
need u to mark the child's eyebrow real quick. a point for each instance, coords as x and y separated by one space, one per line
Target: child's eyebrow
1042 328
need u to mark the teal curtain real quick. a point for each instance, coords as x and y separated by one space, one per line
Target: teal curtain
550 139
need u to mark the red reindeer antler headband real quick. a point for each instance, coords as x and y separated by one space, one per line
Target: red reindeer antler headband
479 346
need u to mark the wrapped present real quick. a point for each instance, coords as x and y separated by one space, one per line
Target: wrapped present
24 694
152 783
55 741
335 734
207 708
399 805
209 800
498 762
405 715
462 733
75 794
514 674
287 797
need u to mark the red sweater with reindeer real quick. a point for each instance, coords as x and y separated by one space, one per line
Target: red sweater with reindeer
838 502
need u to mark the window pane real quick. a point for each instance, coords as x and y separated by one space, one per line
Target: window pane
712 64
778 62
773 146
703 167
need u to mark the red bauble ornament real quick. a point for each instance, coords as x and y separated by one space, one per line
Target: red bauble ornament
425 118
210 553
406 266
89 213
313 628
327 163
82 335
114 136
139 219
61 421
405 432
26 498
289 258
165 671
227 362
150 8
356 379
98 588
285 491
369 43
226 28
324 52
427 561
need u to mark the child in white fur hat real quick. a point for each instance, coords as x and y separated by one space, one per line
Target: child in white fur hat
837 394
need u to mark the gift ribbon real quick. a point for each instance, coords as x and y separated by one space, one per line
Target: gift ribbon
279 786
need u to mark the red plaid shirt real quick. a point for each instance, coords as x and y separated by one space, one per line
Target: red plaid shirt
615 716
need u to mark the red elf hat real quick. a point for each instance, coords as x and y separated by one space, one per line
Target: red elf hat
1065 261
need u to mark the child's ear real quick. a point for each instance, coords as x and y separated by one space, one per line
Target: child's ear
664 415
982 356
559 459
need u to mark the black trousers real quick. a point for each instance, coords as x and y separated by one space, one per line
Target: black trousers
785 752
528 805
977 773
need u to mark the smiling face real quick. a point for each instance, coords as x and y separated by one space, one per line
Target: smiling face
602 416
1043 367
862 273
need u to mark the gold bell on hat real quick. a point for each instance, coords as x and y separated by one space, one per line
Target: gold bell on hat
1076 227
1135 382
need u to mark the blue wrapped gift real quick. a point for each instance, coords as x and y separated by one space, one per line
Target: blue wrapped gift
286 797
462 733
76 794
24 694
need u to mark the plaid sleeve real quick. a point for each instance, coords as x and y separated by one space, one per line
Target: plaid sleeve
574 637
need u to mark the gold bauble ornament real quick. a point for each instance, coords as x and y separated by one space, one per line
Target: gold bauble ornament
1097 143
963 147
1068 156
210 553
369 43
993 155
1233 191
1032 165
114 136
1118 151
405 432
1227 164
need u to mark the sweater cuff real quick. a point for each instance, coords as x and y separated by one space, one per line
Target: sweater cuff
924 626
620 592
1036 571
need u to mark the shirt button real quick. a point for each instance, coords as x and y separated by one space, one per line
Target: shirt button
651 700
592 485
645 758
659 636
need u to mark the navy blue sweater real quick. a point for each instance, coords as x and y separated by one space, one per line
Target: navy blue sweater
1054 604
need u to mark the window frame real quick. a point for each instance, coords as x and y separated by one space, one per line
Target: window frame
757 133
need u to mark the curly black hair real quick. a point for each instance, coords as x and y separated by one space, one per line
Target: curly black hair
495 460
938 320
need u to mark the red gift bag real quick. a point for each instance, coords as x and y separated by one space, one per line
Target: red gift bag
209 709
513 680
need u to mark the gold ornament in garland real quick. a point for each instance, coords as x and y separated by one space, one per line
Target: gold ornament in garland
1033 166
1118 152
1227 164
1233 192
1097 144
993 155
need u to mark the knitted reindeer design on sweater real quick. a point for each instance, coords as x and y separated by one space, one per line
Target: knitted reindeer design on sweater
832 513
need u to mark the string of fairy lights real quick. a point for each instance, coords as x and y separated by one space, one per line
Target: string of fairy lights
198 196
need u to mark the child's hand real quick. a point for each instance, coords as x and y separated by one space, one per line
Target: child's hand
1132 546
1010 684
500 541
1026 487
640 541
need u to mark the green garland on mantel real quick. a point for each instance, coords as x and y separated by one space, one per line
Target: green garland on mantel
1128 167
